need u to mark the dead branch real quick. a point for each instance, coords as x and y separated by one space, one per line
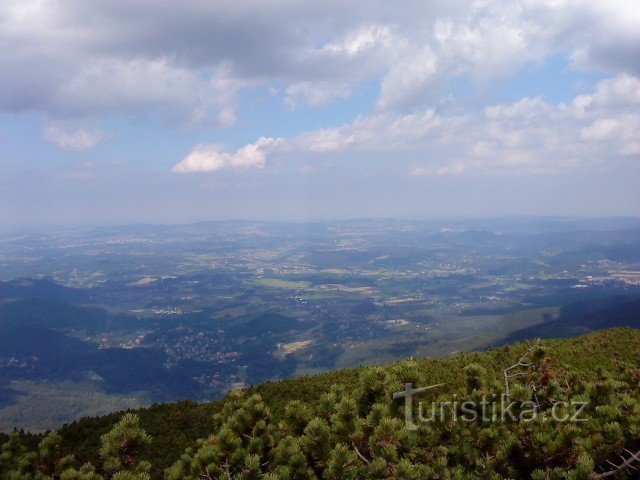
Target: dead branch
523 362
362 457
627 463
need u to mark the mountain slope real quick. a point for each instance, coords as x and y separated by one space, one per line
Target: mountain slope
579 318
344 424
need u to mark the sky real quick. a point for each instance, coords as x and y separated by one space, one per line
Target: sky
127 111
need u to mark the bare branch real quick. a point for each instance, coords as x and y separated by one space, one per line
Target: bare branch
362 457
627 463
523 362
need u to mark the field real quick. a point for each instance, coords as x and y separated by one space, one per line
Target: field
165 313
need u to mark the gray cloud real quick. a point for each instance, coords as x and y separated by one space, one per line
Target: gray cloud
69 58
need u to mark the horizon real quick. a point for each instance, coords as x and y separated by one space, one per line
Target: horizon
80 226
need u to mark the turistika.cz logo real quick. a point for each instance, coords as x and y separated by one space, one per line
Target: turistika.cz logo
491 408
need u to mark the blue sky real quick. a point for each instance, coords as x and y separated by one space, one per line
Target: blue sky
137 111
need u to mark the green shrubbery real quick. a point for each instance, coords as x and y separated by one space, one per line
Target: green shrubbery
345 425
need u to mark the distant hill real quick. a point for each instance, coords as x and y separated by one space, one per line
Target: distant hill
48 313
43 340
583 317
45 288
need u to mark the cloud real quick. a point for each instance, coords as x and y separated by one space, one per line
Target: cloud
610 37
360 40
74 140
375 132
620 92
316 94
70 59
410 78
526 136
143 86
212 158
522 109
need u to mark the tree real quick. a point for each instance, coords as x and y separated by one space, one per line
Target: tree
121 449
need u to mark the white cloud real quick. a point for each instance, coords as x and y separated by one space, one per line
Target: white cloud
620 92
420 171
76 139
316 94
375 132
452 169
212 158
599 130
410 78
525 108
529 135
361 39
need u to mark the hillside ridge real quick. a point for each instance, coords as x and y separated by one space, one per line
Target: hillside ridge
354 406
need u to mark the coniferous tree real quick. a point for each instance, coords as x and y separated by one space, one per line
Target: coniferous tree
356 431
121 449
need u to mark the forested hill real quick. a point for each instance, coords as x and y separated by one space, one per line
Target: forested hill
346 425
